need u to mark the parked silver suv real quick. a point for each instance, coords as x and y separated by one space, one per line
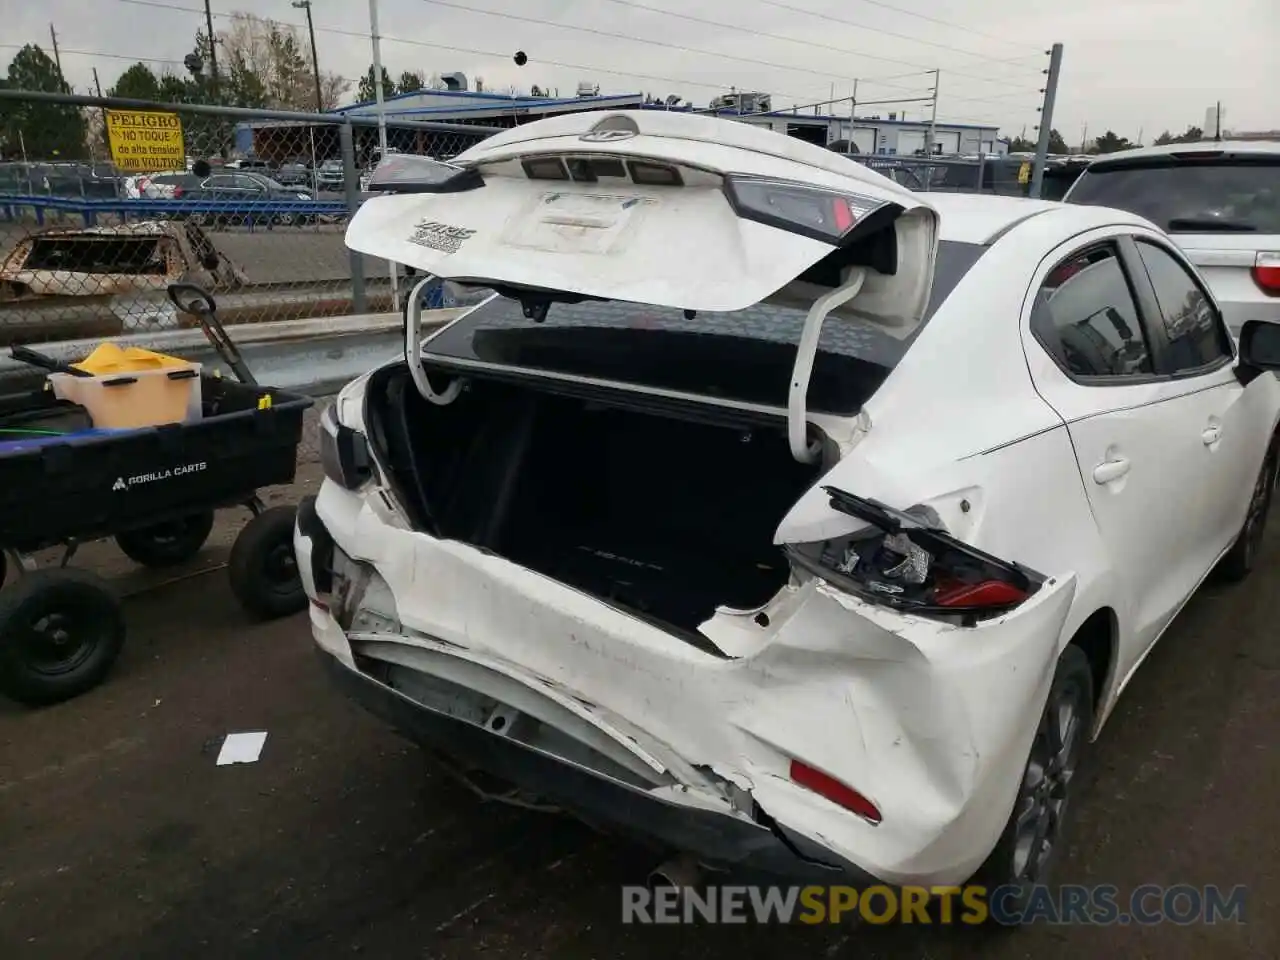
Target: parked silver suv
1220 202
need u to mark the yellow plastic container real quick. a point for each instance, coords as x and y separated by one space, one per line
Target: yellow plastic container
132 387
111 358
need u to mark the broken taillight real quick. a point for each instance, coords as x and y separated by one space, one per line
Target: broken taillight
839 793
908 560
977 596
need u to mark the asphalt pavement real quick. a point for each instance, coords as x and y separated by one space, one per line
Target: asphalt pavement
120 838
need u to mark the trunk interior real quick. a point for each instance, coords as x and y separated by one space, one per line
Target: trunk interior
666 515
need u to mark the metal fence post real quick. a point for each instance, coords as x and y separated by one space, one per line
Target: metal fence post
1046 121
351 187
982 169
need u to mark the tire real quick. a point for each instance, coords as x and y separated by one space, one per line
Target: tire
1033 839
263 568
1239 561
60 632
167 544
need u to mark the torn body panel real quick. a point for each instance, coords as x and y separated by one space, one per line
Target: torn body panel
871 696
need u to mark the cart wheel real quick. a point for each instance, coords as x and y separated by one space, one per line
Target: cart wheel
166 544
263 568
60 632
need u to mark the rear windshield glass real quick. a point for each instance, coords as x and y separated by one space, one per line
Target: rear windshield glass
1191 196
744 355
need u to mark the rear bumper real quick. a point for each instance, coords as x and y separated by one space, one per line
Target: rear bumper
931 722
711 837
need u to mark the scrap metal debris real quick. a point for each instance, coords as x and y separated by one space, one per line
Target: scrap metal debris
132 258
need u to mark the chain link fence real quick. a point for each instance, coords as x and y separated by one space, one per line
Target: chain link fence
251 205
1006 176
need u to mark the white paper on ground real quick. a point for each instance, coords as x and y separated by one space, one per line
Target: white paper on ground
242 747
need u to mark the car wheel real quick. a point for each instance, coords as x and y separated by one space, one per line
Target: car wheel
1033 839
1240 560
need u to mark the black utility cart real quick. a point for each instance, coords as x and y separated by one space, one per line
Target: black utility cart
153 490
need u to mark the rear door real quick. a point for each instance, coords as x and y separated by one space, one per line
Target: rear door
1222 208
1144 439
1199 354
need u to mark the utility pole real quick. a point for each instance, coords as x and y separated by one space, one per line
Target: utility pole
1084 138
1046 120
1217 121
853 117
382 130
97 85
933 115
57 57
213 50
315 61
377 76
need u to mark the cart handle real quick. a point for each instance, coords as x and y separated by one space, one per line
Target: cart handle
201 302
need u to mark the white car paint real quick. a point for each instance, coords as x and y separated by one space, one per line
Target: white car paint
1226 260
931 721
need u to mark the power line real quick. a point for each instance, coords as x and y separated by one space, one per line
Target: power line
719 24
92 53
753 61
888 33
945 23
457 49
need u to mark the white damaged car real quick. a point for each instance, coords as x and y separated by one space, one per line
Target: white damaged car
767 510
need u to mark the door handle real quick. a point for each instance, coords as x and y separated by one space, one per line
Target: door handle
1109 471
1211 435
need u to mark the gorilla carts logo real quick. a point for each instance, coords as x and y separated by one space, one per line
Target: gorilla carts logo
128 483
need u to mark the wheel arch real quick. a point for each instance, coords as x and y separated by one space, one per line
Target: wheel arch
1097 637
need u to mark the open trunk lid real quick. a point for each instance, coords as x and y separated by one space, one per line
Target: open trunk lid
672 210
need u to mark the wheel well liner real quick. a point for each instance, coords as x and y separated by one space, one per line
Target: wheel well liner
1097 638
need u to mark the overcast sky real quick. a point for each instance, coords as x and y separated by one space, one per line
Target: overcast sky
1130 65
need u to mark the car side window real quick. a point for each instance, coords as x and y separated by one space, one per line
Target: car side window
216 183
1086 317
1192 325
249 183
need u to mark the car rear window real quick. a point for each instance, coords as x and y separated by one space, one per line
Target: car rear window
1191 195
744 355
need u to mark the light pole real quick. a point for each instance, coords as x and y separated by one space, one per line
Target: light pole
315 60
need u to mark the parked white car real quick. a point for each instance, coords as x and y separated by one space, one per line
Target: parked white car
772 511
1220 201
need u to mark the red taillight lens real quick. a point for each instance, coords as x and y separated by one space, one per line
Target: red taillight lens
835 791
978 596
1266 273
177 192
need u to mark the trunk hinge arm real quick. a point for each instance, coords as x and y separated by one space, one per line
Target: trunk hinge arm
802 371
413 348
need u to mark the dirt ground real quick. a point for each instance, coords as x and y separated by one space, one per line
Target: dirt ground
119 837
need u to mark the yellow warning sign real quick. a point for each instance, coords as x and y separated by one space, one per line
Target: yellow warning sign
145 141
1024 173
